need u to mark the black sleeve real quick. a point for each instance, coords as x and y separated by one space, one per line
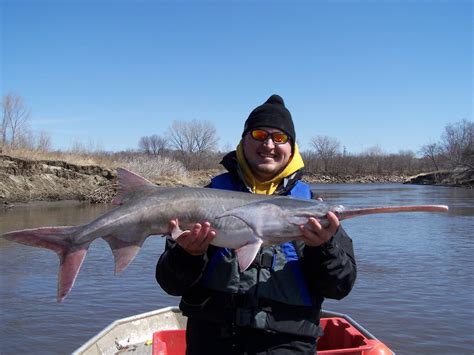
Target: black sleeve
330 269
177 271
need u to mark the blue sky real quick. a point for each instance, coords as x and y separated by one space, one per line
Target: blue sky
369 73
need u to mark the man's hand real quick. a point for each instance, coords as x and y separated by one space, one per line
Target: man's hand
314 234
194 241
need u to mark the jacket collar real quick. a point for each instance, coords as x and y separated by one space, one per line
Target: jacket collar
230 163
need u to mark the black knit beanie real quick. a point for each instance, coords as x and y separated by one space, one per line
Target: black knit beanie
272 113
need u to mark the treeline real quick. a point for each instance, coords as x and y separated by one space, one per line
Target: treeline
193 145
454 149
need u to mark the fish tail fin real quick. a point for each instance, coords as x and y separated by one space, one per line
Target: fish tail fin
70 264
57 239
350 213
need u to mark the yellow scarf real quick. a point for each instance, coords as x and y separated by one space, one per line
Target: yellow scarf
268 187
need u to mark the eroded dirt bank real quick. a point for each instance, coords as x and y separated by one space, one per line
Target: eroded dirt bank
458 177
24 180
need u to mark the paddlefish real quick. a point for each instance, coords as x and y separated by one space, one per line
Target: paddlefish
242 221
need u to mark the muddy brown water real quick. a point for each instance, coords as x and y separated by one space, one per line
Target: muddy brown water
414 289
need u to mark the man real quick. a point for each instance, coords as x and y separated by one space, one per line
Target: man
273 307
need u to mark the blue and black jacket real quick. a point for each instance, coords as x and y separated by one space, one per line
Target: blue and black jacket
281 291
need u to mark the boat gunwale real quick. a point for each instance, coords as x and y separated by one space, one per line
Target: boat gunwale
175 310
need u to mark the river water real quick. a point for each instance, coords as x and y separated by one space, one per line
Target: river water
415 287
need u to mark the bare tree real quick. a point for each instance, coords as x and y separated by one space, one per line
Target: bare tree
158 144
43 142
144 144
458 143
193 140
432 151
5 121
153 145
15 115
326 148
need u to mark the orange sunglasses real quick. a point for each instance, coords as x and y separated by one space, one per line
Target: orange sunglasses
262 136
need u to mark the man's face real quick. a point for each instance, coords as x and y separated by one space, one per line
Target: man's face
266 159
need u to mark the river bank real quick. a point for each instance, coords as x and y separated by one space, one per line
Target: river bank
460 177
23 180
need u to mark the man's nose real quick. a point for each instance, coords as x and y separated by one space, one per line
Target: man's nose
269 142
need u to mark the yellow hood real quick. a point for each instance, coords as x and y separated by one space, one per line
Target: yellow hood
268 187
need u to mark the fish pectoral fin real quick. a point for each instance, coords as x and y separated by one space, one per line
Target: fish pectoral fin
124 251
176 231
246 254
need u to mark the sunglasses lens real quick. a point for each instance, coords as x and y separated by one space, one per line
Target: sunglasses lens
279 138
259 134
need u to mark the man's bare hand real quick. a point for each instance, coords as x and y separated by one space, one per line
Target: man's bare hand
314 234
194 241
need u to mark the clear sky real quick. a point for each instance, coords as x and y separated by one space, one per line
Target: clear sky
369 73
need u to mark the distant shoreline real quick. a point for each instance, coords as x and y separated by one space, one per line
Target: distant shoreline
23 180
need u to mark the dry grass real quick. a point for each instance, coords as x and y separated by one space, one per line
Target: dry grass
76 158
162 169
